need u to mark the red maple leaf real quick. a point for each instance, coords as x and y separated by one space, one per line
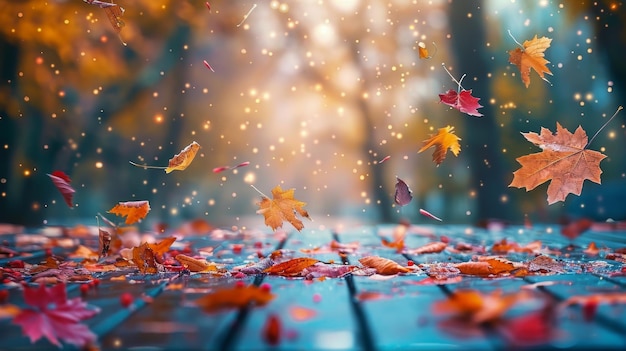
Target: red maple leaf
55 317
463 101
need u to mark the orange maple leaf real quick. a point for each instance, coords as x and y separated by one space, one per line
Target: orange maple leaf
531 56
282 207
292 267
564 160
162 246
236 297
442 141
144 259
133 210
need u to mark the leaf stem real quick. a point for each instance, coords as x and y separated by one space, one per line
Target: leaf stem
259 191
458 82
619 108
145 166
515 40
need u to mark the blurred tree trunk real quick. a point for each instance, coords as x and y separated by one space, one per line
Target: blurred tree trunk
488 177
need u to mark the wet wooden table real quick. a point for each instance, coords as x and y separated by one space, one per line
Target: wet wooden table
356 311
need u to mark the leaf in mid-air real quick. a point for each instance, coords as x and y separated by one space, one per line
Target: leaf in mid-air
62 182
564 160
531 56
283 206
463 101
179 162
235 297
403 194
51 315
132 210
442 141
292 267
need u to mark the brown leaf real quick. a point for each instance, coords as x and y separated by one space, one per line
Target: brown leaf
183 159
144 259
383 266
545 264
196 265
434 247
592 249
474 268
532 56
396 244
272 330
564 160
292 267
133 210
162 246
283 206
236 297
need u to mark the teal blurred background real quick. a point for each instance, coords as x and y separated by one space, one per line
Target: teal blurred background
313 94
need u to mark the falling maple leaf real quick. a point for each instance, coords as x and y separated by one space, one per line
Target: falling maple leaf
564 160
462 101
53 316
179 162
283 206
442 141
383 266
291 267
403 194
531 55
133 210
62 182
235 297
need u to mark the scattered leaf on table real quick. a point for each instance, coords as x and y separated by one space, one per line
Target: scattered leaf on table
62 182
383 266
179 162
144 259
610 298
463 101
291 267
498 264
403 194
162 246
235 297
395 244
477 307
283 206
434 247
196 265
531 56
272 330
104 242
474 268
545 264
564 160
592 249
442 141
575 228
132 210
301 314
51 315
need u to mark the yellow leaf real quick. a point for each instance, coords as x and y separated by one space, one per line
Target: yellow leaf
283 206
532 56
183 159
442 141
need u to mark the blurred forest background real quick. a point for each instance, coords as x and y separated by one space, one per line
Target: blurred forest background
313 93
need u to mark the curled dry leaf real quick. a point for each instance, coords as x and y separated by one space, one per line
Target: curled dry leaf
144 259
403 194
383 266
179 162
291 267
62 182
444 140
283 206
132 210
195 265
434 247
235 297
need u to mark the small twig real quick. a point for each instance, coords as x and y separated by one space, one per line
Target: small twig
458 82
619 108
259 191
515 40
246 15
145 166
